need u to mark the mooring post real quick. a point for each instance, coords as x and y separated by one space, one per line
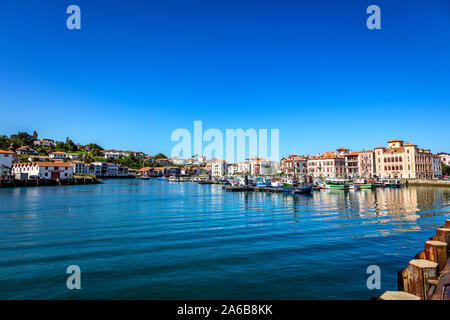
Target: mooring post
398 295
416 275
447 223
436 251
443 234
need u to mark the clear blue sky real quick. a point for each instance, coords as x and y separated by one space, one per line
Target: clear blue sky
140 69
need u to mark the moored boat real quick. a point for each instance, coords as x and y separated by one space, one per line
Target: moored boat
363 184
334 184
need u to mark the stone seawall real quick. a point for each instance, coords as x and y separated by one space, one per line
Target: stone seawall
47 182
430 183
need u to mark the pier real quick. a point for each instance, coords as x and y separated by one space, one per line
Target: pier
427 276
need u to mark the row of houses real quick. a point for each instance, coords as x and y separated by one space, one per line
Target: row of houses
397 160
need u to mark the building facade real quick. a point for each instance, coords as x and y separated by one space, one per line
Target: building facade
43 170
367 164
403 161
6 161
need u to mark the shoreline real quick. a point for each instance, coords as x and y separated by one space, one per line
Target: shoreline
428 183
47 182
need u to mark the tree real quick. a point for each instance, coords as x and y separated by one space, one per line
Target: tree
4 142
21 139
445 169
70 146
160 156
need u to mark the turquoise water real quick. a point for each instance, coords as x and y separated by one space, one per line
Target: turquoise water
163 240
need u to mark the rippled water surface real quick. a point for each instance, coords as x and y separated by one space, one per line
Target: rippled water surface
156 240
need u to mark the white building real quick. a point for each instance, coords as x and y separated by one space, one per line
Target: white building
44 142
79 167
445 157
199 160
26 150
232 169
58 155
178 161
244 167
43 170
437 166
218 168
73 156
115 154
6 160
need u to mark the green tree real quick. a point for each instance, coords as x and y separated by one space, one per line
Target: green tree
21 139
160 156
445 169
4 142
70 145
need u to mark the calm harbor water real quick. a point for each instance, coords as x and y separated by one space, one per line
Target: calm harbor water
160 240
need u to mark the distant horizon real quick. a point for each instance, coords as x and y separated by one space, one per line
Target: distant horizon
137 71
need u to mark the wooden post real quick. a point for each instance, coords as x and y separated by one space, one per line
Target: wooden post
436 251
416 275
443 234
447 223
398 295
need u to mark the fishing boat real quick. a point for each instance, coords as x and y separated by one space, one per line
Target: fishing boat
334 184
391 183
288 183
162 179
145 177
299 190
276 183
174 179
363 184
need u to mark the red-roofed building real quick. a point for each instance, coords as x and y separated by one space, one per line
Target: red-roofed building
43 170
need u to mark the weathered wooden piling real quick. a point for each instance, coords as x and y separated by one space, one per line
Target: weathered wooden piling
443 235
436 251
428 273
447 223
398 295
416 276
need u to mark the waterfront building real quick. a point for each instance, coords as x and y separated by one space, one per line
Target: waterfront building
437 166
123 171
367 164
287 165
79 167
218 168
445 157
199 171
232 169
329 165
26 150
44 142
404 161
244 167
172 171
352 167
6 161
43 170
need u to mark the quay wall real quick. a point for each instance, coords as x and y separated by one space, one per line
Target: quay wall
47 182
429 183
